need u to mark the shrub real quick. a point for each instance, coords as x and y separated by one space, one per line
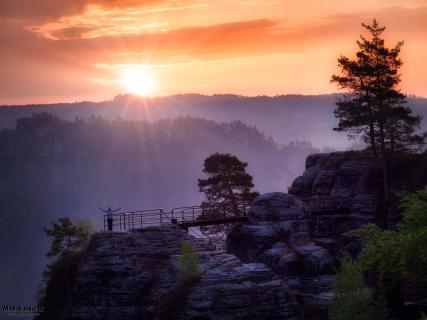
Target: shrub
187 264
400 254
352 300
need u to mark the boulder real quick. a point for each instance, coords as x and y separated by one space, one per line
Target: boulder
276 206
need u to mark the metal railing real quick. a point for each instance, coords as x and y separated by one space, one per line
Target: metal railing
183 215
129 220
190 216
125 221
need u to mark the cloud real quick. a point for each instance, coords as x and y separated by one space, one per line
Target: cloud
226 38
71 49
55 9
73 32
150 44
154 40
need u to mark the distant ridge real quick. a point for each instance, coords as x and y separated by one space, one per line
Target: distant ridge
285 118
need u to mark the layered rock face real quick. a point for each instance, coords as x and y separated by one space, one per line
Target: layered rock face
301 234
279 235
134 275
289 251
341 180
342 191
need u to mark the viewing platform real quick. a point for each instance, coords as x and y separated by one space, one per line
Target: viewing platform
184 217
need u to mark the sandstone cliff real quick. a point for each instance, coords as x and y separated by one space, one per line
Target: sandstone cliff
280 264
300 235
134 276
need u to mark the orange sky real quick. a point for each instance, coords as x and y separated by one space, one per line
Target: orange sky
68 50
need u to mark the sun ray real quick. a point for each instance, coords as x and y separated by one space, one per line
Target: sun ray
137 81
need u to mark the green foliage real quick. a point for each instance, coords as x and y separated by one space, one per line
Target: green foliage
68 237
174 301
187 264
413 236
379 251
68 241
227 182
400 254
352 300
423 316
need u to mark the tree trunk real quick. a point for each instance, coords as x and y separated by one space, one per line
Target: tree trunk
372 137
386 182
386 189
234 204
386 178
67 283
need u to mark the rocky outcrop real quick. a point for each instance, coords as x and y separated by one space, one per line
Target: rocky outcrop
342 191
279 235
134 276
301 234
289 250
340 180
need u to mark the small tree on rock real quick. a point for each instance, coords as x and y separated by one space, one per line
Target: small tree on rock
67 237
68 240
228 183
188 266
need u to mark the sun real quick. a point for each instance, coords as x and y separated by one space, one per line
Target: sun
137 81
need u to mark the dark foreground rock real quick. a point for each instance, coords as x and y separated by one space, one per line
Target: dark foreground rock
134 276
279 235
300 235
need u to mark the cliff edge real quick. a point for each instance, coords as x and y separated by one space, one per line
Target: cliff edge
134 275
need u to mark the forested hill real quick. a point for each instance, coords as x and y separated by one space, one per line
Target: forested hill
51 168
284 118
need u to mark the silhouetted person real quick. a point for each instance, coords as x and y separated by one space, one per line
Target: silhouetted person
109 213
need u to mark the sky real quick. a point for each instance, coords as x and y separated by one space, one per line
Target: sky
73 50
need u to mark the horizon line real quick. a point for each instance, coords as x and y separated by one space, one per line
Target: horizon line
185 94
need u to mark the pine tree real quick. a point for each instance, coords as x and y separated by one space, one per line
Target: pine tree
68 241
374 107
67 237
228 184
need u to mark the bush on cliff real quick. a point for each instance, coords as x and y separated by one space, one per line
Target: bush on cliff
352 300
398 258
68 242
187 264
401 254
174 301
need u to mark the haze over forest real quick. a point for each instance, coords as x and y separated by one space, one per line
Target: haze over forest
285 118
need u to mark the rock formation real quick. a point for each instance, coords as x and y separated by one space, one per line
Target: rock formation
134 276
301 234
288 251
